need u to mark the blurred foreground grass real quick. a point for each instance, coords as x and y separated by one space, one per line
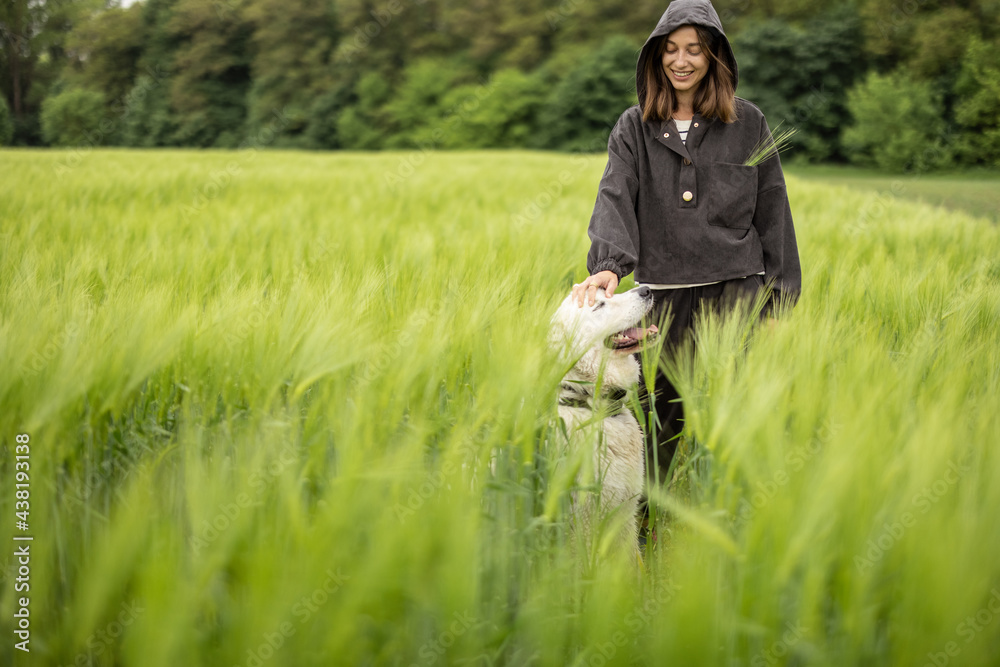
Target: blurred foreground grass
263 410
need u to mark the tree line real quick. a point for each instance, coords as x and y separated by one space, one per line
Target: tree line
901 84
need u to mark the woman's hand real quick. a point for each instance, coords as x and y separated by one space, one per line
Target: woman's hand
606 280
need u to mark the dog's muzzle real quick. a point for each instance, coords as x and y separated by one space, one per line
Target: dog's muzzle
632 337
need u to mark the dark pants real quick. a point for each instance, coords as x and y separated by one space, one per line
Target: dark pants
684 305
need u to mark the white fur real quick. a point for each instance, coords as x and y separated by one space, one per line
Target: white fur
616 442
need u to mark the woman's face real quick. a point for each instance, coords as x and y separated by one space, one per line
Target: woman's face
683 60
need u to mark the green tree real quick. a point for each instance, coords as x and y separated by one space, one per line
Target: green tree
32 36
293 43
416 107
73 118
588 24
734 13
6 124
211 72
324 113
149 118
148 121
898 124
364 125
521 37
800 75
103 54
490 34
384 37
103 51
939 40
978 107
585 104
919 31
17 26
501 113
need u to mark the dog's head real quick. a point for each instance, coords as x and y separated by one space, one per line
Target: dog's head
608 331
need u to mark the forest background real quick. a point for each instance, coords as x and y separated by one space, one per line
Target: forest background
898 85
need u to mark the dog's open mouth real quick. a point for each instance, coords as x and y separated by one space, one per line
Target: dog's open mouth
631 337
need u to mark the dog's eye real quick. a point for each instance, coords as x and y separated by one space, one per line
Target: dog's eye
600 304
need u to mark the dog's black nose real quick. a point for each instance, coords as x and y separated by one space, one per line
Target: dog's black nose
643 290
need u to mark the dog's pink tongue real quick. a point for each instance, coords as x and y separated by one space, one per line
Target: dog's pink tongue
636 333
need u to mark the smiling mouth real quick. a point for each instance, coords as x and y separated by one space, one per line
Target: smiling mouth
681 75
631 337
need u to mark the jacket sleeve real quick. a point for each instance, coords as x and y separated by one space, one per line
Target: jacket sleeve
614 230
773 221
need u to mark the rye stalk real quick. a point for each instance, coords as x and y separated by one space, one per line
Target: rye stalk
775 142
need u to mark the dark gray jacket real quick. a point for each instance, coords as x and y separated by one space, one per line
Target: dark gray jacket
737 221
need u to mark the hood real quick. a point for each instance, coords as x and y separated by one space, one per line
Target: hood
684 12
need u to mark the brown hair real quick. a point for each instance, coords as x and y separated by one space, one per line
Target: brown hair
716 93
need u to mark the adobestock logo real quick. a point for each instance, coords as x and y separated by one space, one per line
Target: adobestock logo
432 651
968 629
923 502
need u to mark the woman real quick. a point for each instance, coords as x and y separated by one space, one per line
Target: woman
678 204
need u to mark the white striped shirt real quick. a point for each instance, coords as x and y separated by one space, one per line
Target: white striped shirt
682 127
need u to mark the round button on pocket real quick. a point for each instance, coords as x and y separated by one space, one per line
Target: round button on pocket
687 196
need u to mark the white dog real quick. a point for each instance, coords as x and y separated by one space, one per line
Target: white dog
599 341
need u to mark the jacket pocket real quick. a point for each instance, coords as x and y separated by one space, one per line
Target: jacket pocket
731 194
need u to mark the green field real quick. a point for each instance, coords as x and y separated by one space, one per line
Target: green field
975 192
299 413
